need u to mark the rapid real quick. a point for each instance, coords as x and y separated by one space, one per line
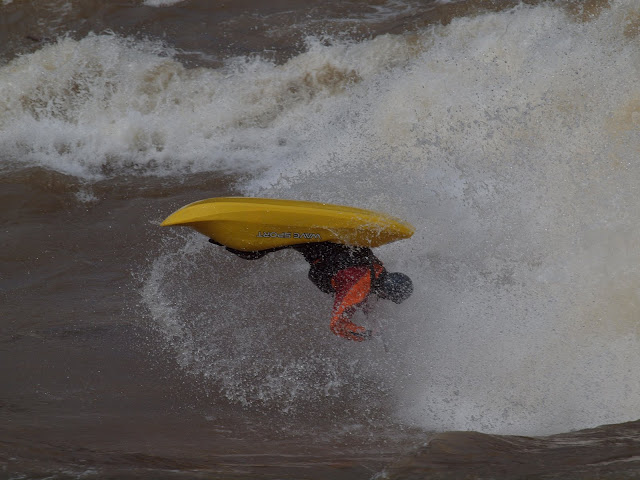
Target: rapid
507 136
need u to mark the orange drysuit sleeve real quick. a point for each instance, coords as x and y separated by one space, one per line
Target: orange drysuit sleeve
352 287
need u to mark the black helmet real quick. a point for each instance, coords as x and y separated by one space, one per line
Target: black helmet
395 286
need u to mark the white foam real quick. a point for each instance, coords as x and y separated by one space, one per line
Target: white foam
510 140
86 196
105 104
161 3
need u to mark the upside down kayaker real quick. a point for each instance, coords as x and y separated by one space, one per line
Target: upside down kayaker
352 274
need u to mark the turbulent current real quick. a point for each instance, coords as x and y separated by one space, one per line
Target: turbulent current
510 142
508 138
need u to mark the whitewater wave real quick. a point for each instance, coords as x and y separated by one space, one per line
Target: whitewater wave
108 105
510 140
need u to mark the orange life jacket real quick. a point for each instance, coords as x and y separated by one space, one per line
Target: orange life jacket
352 287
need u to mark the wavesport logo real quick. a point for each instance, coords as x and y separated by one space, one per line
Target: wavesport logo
298 235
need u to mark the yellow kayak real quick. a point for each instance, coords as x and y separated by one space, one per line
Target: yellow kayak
251 224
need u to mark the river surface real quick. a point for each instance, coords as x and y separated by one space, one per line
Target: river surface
507 133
